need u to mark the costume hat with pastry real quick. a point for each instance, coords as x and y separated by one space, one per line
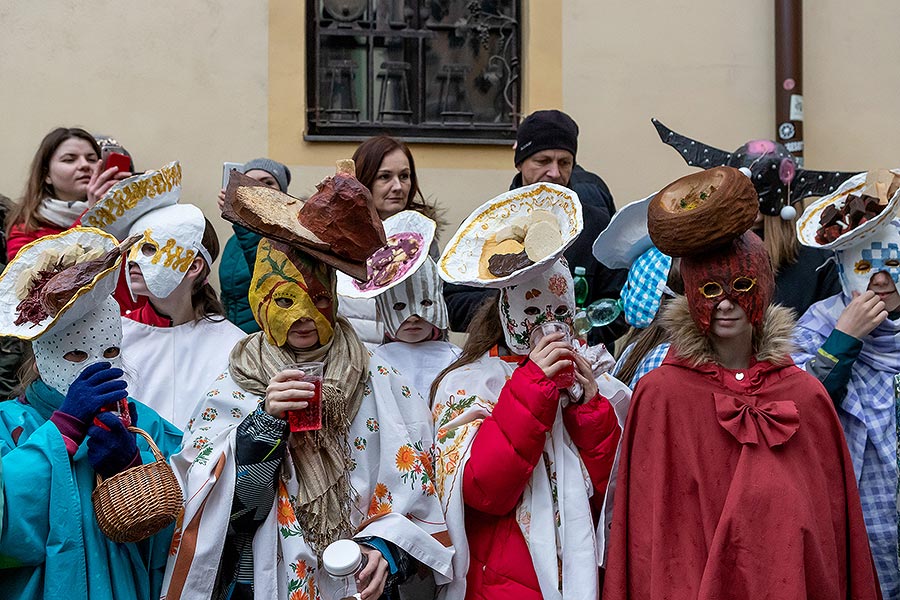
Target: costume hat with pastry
56 293
731 425
859 223
346 479
626 244
779 181
535 287
172 233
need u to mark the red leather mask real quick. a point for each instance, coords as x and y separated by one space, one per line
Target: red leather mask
740 272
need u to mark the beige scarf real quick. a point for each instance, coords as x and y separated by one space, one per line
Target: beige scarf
321 458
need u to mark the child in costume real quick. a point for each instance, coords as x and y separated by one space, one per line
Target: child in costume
522 464
54 440
652 281
851 343
734 478
264 502
178 323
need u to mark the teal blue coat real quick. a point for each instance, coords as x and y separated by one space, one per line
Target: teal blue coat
51 546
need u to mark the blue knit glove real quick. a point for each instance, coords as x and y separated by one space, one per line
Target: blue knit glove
95 387
111 447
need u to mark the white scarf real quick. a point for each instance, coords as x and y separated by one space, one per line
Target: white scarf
60 213
554 530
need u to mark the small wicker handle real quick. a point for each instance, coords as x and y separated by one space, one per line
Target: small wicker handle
153 448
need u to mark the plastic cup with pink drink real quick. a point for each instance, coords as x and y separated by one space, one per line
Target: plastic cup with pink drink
309 418
566 377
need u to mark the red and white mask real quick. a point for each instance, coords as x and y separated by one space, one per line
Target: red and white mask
740 272
549 296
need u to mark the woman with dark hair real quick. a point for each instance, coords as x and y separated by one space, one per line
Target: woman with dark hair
63 181
385 166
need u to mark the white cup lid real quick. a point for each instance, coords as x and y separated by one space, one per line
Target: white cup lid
342 558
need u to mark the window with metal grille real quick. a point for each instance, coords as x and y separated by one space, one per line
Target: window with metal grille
425 70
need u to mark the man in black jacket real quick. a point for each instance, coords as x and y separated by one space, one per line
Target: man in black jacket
546 145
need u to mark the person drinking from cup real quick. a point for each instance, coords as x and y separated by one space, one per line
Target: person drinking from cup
514 442
265 501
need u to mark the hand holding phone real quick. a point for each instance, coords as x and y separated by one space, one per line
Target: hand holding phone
116 159
226 171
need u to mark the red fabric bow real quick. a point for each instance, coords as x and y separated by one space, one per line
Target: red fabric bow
775 420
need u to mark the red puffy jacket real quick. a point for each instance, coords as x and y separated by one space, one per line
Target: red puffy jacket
504 452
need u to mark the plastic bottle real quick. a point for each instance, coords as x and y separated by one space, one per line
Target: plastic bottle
581 287
343 560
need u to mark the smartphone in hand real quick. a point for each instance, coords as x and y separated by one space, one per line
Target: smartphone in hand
116 159
226 171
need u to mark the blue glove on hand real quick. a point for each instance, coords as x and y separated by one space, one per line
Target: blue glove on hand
98 385
111 447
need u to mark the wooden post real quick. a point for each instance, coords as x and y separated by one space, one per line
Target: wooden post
789 76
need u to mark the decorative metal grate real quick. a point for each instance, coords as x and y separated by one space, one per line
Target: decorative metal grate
426 70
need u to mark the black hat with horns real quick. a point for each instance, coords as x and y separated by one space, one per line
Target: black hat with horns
778 180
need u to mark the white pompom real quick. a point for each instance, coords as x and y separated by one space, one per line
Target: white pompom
746 171
788 212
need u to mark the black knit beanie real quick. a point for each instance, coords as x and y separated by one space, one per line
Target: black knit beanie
546 130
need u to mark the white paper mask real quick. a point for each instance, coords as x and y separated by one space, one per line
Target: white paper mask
857 264
421 294
172 239
547 297
96 337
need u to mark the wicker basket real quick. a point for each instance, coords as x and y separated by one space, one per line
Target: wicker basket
133 505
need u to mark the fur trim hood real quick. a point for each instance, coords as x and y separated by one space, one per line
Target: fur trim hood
773 344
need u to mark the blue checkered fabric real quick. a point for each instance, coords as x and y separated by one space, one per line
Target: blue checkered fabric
653 359
643 289
868 414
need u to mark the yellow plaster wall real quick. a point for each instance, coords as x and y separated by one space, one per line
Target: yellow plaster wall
457 177
171 80
706 69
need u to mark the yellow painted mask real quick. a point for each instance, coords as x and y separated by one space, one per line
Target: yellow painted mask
287 286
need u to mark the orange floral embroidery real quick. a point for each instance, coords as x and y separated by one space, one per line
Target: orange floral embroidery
285 513
301 569
380 490
405 459
299 595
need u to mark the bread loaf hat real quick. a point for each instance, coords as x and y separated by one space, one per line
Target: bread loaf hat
869 247
337 225
519 234
56 280
132 198
626 244
779 180
409 234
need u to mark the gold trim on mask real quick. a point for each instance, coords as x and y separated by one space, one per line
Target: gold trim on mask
276 277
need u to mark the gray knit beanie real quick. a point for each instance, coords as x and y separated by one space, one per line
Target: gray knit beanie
277 170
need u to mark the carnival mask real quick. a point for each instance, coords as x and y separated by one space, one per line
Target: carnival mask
740 272
96 337
172 239
857 264
547 297
421 294
287 286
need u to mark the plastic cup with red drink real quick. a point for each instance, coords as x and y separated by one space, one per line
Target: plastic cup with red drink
309 418
566 377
